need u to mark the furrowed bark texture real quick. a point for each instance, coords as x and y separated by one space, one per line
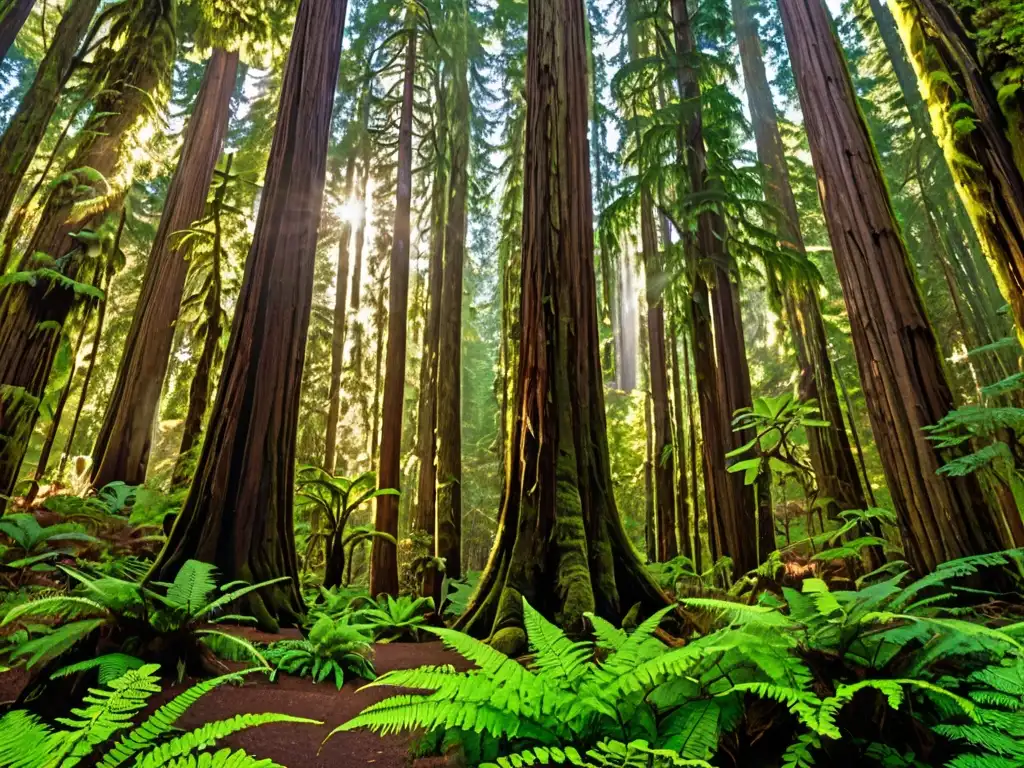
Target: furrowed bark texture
384 554
560 542
831 455
28 126
981 153
33 313
449 379
238 514
720 361
904 384
124 440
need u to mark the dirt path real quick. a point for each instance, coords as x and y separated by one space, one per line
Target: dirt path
295 746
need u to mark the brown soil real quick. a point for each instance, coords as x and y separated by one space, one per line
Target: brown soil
299 746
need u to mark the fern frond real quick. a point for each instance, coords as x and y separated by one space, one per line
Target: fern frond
25 741
557 659
192 586
110 666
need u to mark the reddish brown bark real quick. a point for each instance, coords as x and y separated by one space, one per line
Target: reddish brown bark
426 422
24 133
338 333
720 361
384 554
123 443
904 384
13 15
683 515
449 379
238 514
560 542
32 313
831 455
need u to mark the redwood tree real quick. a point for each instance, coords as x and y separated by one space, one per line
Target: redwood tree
133 74
966 73
560 543
449 378
13 15
28 126
905 388
831 455
238 514
384 555
122 445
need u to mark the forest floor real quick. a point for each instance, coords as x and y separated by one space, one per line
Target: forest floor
299 746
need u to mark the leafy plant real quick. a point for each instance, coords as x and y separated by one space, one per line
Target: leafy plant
165 623
27 742
332 650
332 500
888 671
393 618
32 545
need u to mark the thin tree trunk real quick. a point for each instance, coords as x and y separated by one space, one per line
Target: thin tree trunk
360 236
683 515
384 554
449 379
14 15
338 333
27 128
560 542
723 379
125 438
32 314
904 384
69 444
831 455
698 547
238 514
426 422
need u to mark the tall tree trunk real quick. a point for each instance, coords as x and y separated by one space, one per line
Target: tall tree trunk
723 379
981 154
24 133
69 444
32 314
651 523
124 440
365 158
199 389
449 379
58 413
831 455
560 542
13 15
683 515
238 514
426 422
384 554
904 384
338 333
698 546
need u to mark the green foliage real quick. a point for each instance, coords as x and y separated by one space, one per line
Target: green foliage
166 623
915 650
26 742
332 649
393 618
32 545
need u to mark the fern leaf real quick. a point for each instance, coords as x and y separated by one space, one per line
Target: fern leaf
557 659
192 586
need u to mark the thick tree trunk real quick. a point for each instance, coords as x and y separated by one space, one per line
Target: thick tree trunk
904 384
23 135
384 554
723 379
338 333
33 313
831 455
13 15
426 422
123 443
449 379
238 514
981 155
560 542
